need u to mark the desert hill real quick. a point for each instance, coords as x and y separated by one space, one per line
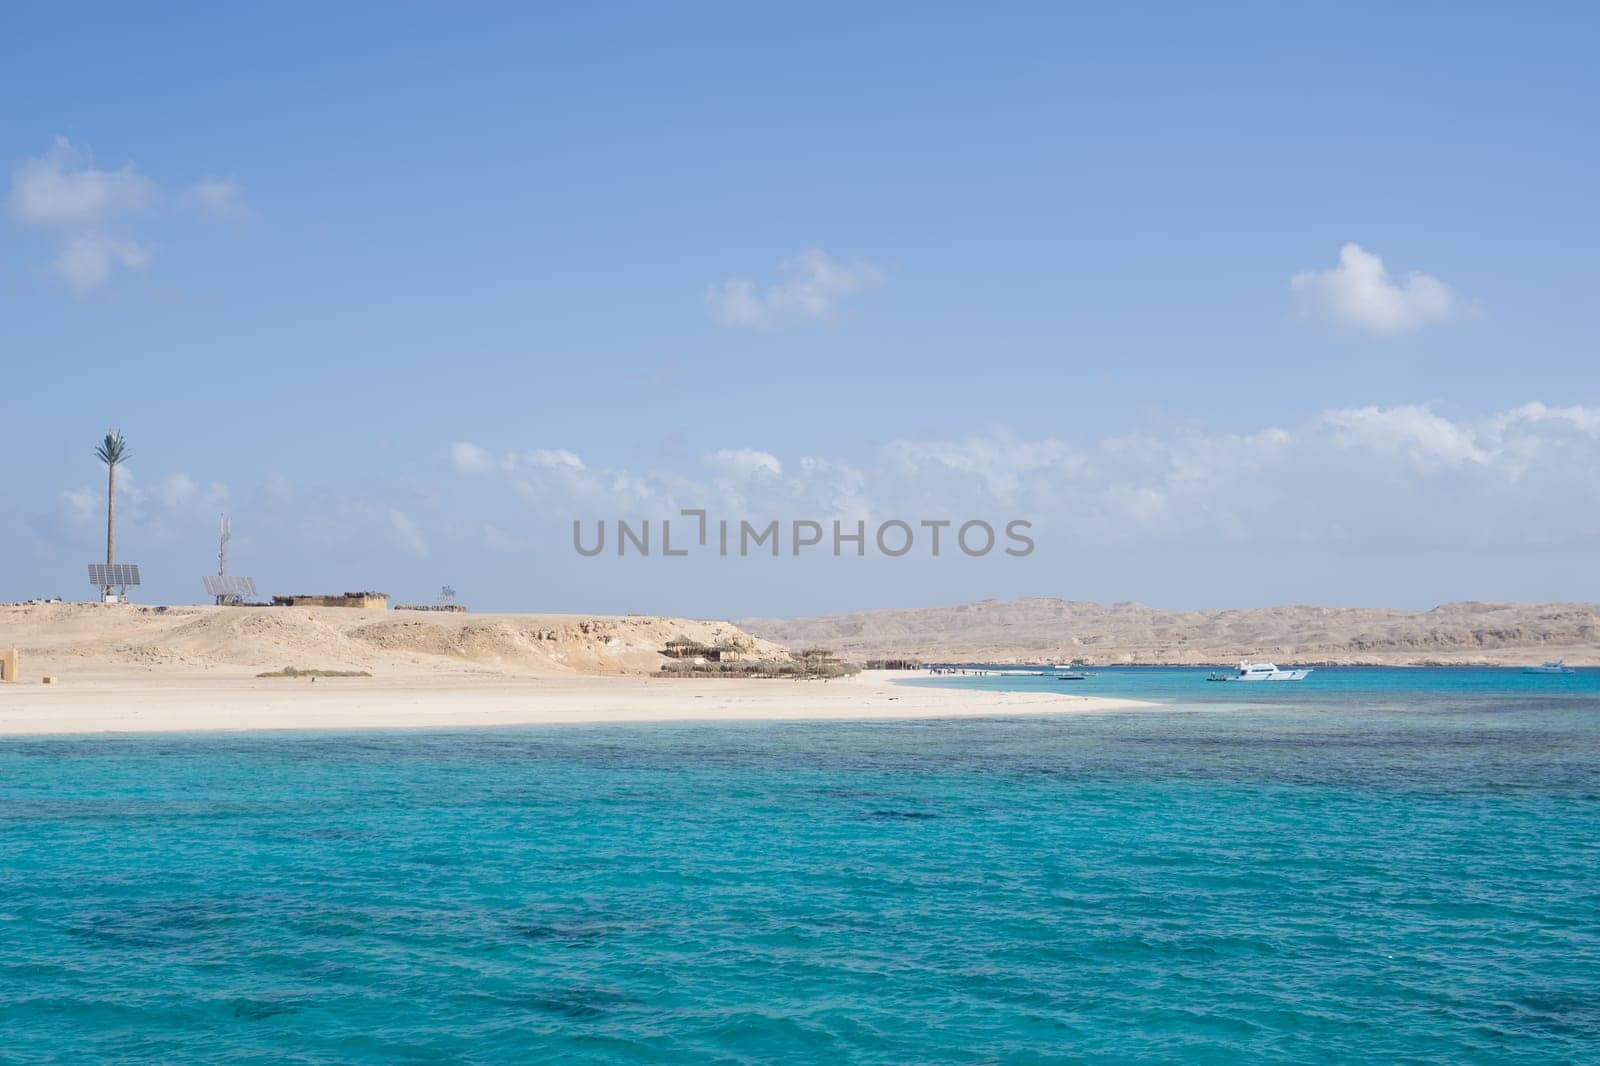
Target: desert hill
92 638
1034 630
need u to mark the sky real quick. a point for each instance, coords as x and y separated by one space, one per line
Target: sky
1233 307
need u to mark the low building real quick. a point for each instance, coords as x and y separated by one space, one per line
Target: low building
684 648
365 601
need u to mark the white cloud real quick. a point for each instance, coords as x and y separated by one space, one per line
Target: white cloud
63 188
178 489
180 492
1360 293
997 465
812 285
497 539
86 261
81 503
743 463
1584 420
176 498
1425 438
546 459
218 197
81 206
406 534
64 192
278 490
469 458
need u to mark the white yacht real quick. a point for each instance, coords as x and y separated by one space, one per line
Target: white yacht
1549 666
1260 672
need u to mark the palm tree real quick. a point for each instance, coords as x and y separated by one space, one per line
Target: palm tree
113 451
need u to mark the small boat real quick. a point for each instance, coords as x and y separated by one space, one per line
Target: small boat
1549 666
1074 676
1260 672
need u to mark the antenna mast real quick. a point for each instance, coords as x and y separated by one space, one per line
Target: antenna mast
229 591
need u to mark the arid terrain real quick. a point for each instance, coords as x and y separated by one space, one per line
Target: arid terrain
1034 630
100 639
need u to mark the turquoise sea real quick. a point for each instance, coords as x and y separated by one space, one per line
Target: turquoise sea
1370 866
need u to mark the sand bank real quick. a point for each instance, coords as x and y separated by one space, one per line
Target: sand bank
168 704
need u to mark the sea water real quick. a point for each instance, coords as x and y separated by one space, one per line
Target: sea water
1367 866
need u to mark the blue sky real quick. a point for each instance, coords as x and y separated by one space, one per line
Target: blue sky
806 263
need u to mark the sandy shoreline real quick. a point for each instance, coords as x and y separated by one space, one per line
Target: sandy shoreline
158 704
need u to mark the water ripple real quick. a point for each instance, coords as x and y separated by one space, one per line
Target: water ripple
1235 886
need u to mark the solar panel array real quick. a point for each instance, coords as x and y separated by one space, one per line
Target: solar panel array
120 574
229 585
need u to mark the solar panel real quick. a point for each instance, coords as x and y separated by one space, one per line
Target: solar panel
229 585
120 574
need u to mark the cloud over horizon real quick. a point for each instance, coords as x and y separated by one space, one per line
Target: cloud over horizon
1399 478
1406 483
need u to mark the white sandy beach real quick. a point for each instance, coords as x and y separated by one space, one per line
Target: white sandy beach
174 704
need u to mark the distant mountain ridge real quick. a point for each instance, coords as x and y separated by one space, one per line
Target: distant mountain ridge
1046 629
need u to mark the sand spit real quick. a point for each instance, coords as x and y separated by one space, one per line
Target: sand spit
133 669
168 704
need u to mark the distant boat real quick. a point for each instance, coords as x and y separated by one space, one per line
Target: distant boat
1549 666
1260 672
1074 676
